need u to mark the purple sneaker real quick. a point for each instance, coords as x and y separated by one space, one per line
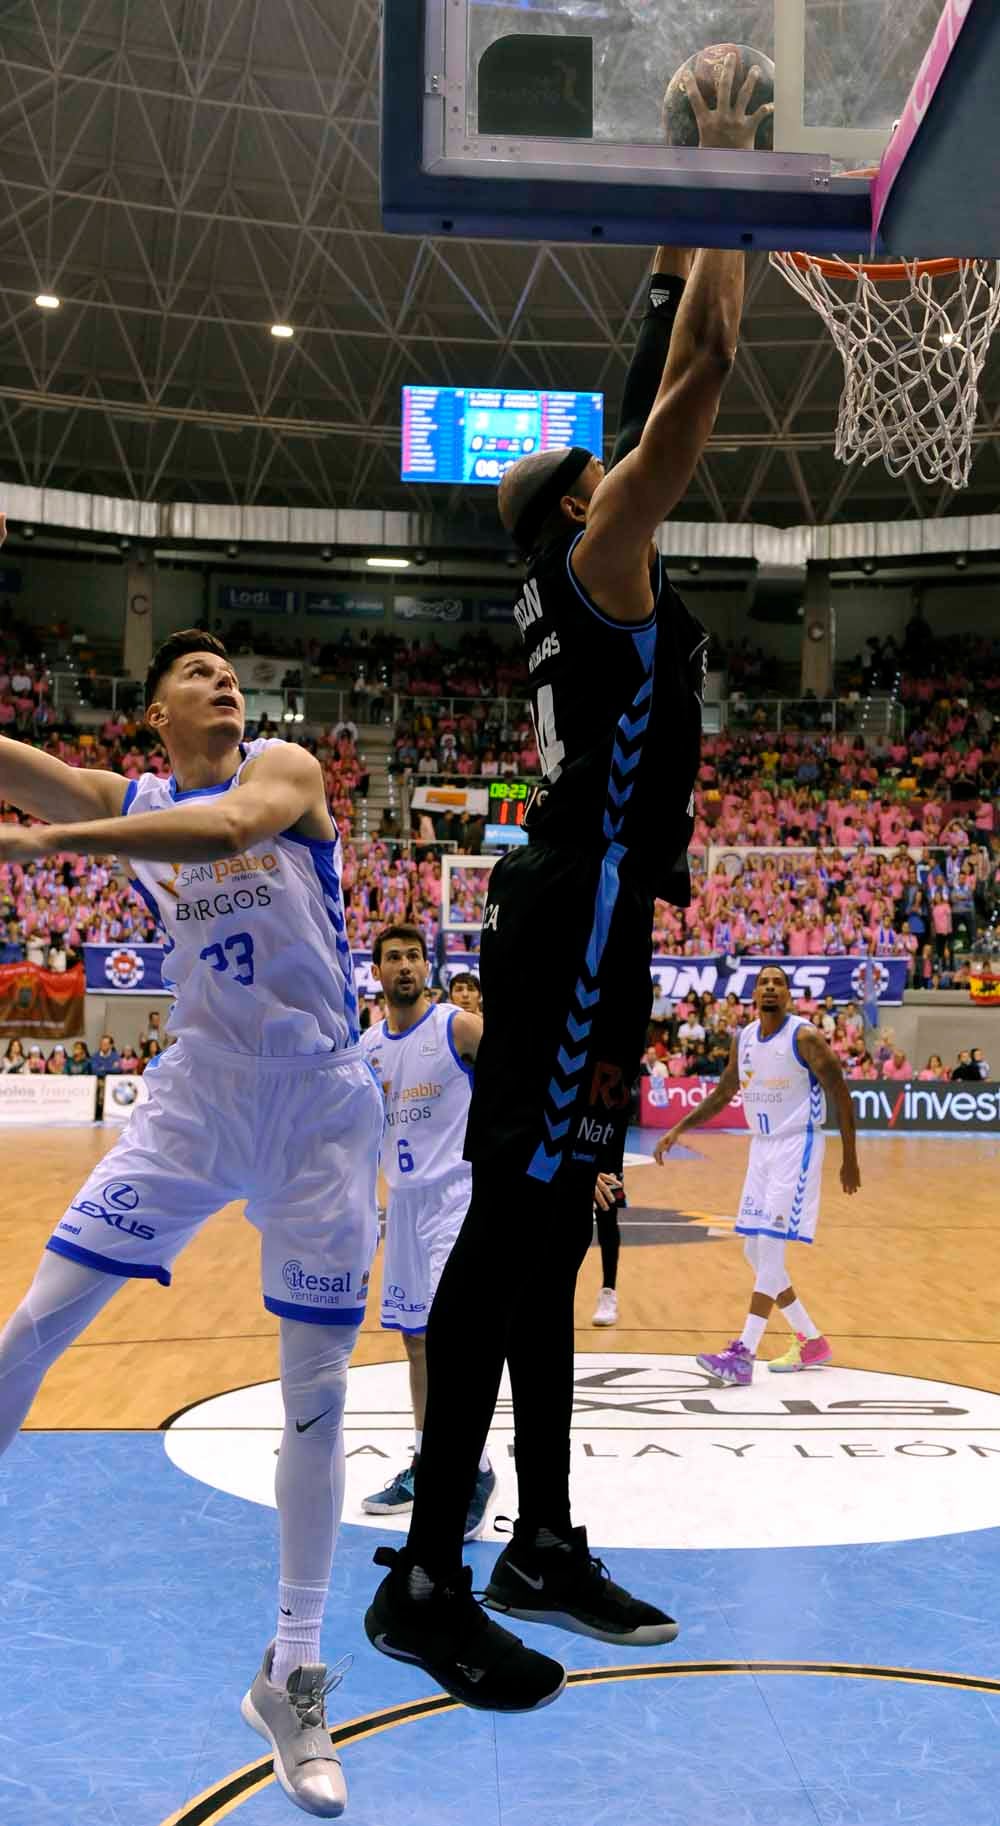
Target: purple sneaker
733 1366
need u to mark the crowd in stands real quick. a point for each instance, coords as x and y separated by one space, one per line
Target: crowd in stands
922 809
75 1060
691 1038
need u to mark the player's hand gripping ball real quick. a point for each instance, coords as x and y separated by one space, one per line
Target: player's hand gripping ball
722 97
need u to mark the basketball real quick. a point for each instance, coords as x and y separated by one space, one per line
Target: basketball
679 125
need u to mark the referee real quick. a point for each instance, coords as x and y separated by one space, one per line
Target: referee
616 668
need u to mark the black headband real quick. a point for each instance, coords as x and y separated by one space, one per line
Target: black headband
533 517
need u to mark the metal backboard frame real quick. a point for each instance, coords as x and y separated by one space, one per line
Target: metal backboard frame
438 177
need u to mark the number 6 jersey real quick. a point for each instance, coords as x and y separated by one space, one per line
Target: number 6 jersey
256 951
427 1091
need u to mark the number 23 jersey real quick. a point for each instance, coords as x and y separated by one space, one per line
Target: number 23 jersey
256 951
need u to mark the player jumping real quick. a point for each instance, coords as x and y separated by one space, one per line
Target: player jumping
266 1096
616 668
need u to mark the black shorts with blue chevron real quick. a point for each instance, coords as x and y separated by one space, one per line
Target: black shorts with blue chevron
565 973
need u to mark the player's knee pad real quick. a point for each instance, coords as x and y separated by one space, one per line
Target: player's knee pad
314 1360
772 1275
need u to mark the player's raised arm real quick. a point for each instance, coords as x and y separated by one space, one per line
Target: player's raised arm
714 1104
279 789
612 558
825 1066
670 272
45 787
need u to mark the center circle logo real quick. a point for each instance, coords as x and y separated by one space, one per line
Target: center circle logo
661 1456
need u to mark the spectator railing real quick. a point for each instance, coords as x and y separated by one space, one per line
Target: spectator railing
78 694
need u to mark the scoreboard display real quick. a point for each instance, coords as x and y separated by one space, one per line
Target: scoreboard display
473 434
508 806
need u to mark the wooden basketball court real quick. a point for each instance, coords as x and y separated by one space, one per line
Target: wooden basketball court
903 1278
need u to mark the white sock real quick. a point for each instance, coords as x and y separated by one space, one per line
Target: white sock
795 1315
484 1460
418 1437
300 1619
752 1332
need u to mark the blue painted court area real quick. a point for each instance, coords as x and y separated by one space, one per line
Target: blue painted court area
137 1602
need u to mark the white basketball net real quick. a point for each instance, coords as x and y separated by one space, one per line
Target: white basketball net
913 353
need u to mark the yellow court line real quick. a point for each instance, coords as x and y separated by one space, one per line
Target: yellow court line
200 1812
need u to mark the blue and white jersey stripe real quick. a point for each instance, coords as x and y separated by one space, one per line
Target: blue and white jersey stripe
259 959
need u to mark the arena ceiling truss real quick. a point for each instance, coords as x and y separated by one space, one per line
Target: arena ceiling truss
184 173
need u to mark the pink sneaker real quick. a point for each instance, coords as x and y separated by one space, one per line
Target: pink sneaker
733 1366
802 1353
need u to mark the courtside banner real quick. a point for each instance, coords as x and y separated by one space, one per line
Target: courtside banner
665 1100
124 969
843 978
926 1107
37 1004
123 1093
40 1100
881 1106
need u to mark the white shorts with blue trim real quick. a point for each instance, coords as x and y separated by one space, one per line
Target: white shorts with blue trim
421 1226
781 1191
297 1138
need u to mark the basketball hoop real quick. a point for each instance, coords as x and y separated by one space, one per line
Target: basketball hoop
913 336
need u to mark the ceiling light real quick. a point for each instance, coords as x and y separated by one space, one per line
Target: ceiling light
283 331
326 554
388 564
299 717
289 716
27 532
869 566
232 551
47 301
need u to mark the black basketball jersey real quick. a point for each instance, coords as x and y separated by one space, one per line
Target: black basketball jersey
617 713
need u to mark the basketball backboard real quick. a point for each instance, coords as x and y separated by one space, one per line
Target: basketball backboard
540 119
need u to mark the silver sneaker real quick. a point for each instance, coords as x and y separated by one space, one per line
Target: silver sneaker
293 1719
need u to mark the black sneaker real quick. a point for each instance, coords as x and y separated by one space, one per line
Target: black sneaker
566 1586
450 1636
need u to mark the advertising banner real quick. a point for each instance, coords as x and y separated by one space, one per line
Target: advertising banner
881 1106
38 1100
260 599
37 1004
843 978
663 1101
345 604
123 970
123 1093
471 799
888 1107
432 608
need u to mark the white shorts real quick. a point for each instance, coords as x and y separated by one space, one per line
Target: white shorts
782 1187
298 1139
420 1230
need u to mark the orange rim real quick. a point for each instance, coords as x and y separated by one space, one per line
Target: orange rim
881 272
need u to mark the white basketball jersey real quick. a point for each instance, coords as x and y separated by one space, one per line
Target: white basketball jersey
427 1091
780 1094
256 949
